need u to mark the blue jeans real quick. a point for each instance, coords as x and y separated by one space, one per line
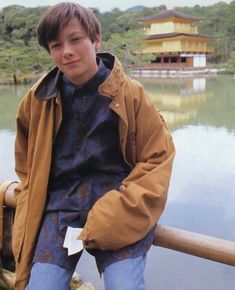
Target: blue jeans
127 274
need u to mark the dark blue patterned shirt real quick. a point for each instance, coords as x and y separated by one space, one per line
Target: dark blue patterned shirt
87 162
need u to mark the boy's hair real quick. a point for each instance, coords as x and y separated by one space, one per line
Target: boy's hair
57 17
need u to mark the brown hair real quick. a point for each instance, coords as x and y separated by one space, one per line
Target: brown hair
57 17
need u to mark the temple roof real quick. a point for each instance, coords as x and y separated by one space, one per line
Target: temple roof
169 14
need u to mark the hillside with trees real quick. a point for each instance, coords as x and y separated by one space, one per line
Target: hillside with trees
20 55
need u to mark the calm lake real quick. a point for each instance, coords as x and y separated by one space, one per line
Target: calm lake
201 115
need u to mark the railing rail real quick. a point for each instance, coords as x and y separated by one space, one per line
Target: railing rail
199 245
195 244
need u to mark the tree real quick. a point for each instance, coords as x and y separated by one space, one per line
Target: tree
231 61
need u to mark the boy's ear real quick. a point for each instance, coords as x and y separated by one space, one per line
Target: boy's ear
97 43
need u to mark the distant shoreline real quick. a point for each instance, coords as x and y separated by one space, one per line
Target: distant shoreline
22 80
139 71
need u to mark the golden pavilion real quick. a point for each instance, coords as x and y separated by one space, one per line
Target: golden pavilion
174 40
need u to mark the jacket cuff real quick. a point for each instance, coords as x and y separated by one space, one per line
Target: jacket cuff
84 236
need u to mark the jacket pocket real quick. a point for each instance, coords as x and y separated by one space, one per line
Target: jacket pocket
19 224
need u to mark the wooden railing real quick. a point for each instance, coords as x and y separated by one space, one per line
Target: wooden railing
203 246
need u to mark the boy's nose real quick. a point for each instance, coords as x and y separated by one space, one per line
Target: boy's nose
67 51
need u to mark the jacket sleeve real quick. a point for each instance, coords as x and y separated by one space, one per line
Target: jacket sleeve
21 146
123 217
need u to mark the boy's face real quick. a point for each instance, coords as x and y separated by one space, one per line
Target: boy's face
74 53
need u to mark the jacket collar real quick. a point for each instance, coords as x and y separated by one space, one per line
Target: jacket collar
49 86
111 86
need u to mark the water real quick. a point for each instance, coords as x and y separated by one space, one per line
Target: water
201 115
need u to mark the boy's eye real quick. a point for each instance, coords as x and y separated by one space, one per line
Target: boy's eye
54 45
76 39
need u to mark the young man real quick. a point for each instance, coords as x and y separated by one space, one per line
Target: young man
92 152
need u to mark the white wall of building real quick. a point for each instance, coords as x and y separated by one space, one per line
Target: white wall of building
199 60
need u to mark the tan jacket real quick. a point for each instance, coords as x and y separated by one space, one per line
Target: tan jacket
119 218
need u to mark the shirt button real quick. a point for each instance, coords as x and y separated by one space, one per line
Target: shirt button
117 106
78 147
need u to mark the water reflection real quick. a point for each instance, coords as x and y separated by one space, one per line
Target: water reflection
204 180
9 99
7 155
178 99
193 101
200 113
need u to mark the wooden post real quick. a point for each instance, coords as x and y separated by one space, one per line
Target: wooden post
7 190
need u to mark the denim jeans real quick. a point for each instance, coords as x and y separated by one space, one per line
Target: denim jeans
127 274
